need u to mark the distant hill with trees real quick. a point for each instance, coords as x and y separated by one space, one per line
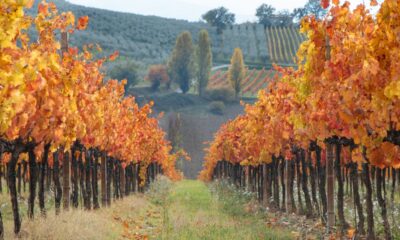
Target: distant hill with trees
150 39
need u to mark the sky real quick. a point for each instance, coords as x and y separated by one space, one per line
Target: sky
192 9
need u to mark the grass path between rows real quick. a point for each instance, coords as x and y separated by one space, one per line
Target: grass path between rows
193 213
196 214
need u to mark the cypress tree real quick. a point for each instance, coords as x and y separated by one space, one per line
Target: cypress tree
204 61
237 71
181 64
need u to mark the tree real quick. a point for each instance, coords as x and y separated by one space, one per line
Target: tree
157 75
126 70
312 7
220 18
237 71
204 61
284 18
298 14
264 14
181 64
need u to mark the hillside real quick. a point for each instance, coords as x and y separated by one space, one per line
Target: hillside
147 39
150 39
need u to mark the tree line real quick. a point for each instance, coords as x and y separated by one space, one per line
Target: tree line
190 66
266 14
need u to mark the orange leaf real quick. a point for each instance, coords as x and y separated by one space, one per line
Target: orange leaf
43 8
125 224
53 7
29 4
82 23
374 3
350 233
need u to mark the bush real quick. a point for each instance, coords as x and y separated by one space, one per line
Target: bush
157 75
221 94
217 107
126 70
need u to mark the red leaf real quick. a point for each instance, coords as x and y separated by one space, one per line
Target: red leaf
114 56
82 23
325 4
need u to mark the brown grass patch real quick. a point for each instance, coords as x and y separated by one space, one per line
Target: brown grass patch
104 223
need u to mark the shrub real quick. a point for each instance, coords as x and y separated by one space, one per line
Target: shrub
157 75
217 107
126 70
221 94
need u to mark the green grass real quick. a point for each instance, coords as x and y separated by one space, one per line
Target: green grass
195 213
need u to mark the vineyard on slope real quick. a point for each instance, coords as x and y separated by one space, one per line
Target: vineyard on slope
58 113
335 119
283 43
254 81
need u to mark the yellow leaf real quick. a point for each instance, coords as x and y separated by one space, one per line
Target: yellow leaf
350 233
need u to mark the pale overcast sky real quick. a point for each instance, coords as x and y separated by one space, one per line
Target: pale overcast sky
193 9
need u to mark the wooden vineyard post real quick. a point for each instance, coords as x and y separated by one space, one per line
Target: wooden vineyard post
103 180
330 186
330 170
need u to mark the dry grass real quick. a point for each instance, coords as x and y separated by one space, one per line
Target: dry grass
105 223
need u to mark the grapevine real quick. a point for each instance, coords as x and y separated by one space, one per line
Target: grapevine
337 110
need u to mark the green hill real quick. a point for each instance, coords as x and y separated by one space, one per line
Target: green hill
150 39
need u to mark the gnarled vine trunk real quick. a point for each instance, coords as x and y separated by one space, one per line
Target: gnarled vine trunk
32 182
368 197
95 188
357 200
340 194
88 187
309 210
17 150
74 178
42 177
321 172
57 183
382 204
